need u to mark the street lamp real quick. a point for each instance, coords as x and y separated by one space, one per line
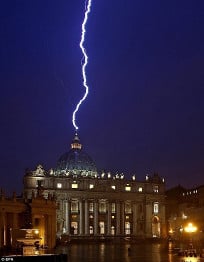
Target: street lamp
190 228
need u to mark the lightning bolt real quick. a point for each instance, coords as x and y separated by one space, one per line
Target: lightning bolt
84 60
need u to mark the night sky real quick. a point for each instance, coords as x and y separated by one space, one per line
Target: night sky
144 112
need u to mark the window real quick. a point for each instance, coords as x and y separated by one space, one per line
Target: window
140 189
74 207
74 185
127 228
156 207
184 216
112 207
39 183
91 207
113 187
91 230
128 187
91 186
112 230
74 228
101 227
156 189
102 207
128 208
59 185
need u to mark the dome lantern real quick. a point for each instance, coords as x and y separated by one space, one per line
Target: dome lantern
76 143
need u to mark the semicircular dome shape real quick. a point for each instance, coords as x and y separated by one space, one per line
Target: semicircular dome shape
76 162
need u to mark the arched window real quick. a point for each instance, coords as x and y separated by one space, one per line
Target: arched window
155 226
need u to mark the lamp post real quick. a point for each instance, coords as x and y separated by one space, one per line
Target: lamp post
190 228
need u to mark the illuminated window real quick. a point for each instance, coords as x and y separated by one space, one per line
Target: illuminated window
91 230
156 189
112 230
156 207
113 187
184 216
59 185
74 185
74 207
102 207
113 208
91 186
128 187
91 207
140 189
127 228
128 208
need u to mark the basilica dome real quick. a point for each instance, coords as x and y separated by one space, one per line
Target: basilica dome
76 161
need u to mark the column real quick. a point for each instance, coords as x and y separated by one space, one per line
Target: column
53 230
65 215
68 216
61 203
118 217
15 220
96 217
148 219
162 220
134 218
81 217
109 219
86 217
122 214
49 231
45 222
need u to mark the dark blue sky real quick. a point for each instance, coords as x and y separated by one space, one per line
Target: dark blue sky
144 112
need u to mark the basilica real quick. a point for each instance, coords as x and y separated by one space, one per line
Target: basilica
96 204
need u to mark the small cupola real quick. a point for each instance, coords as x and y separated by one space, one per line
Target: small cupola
76 142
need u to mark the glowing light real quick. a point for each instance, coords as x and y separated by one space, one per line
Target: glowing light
84 60
171 231
190 228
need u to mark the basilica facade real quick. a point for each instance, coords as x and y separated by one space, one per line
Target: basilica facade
93 204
